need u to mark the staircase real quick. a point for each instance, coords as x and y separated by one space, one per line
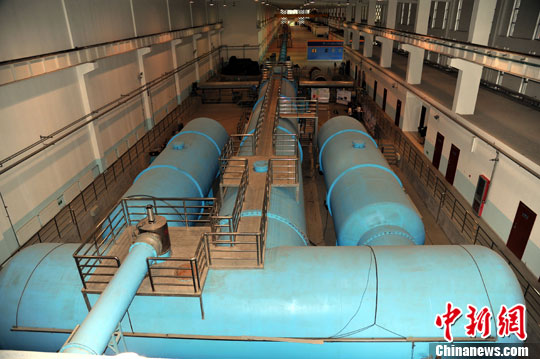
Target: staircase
389 152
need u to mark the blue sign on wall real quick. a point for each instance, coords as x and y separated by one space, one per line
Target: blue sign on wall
325 50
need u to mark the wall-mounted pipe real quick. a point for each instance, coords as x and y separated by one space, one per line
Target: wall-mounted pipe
364 196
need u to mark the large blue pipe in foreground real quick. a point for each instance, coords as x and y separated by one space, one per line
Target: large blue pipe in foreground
364 196
316 302
95 331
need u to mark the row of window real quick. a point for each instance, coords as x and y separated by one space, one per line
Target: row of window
406 16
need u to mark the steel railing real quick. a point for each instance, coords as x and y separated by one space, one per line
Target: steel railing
234 173
452 204
178 272
99 257
284 171
189 211
236 249
240 249
240 145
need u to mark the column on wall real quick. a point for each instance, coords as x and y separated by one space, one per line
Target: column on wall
481 20
386 51
422 16
368 44
147 104
195 55
97 148
415 63
355 40
467 86
174 45
391 14
371 12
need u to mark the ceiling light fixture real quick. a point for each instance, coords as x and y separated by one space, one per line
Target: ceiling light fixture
211 2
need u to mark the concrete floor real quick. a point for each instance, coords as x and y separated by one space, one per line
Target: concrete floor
226 114
516 125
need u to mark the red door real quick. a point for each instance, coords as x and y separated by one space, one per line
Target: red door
521 230
438 150
452 164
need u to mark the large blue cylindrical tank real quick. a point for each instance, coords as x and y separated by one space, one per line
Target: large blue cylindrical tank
185 168
364 196
286 224
350 300
288 88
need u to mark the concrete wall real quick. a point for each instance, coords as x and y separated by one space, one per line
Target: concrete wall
240 26
37 189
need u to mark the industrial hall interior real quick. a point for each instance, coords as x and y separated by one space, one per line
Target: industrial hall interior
269 178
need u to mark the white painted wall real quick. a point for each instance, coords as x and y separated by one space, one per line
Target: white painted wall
41 105
97 21
180 14
240 26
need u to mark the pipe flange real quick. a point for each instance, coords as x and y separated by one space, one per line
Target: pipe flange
149 238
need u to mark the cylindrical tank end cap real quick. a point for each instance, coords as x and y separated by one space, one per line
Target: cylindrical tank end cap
358 144
260 166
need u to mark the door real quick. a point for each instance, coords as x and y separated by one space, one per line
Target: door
375 91
438 150
452 164
423 117
398 113
364 85
422 126
521 230
384 100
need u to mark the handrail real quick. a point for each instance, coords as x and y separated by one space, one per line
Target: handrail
452 116
460 214
504 54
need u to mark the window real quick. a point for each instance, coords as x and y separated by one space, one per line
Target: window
378 13
409 15
402 13
445 18
458 15
513 18
537 31
434 15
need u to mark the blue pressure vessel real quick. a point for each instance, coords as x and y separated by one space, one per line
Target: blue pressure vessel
364 196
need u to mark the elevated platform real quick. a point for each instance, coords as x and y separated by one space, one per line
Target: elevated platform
183 274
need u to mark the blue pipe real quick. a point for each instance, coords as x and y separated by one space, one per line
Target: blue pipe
321 293
365 197
95 332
